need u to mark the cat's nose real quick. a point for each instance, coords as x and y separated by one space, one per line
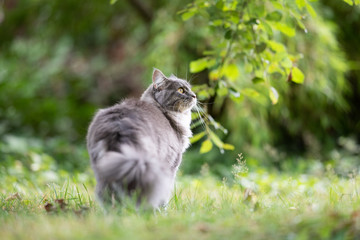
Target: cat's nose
193 95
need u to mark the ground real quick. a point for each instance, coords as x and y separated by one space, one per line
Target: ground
253 205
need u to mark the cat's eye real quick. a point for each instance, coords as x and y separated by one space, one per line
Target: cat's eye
181 90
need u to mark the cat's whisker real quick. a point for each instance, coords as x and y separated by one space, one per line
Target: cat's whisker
200 109
201 113
207 103
192 77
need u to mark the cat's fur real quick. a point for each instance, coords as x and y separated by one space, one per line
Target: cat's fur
136 146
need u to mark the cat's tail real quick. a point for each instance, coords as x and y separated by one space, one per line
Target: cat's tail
131 172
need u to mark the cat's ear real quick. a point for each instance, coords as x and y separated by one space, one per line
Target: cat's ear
157 77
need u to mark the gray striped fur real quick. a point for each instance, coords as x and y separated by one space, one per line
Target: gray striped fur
136 146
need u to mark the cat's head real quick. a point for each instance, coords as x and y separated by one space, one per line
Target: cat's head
172 93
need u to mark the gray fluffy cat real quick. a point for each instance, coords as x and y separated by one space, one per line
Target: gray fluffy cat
136 146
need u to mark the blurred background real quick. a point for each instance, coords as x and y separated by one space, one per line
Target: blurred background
61 60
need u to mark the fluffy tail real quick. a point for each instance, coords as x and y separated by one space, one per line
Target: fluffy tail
128 172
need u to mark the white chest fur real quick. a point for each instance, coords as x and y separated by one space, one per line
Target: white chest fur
183 120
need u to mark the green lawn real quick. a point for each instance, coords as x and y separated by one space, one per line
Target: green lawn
254 205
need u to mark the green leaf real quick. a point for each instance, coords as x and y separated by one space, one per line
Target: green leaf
198 65
216 139
300 4
259 48
254 95
285 29
235 95
227 146
222 89
297 75
203 95
248 68
229 6
250 92
274 16
214 75
231 71
274 95
217 22
113 2
203 91
219 4
187 15
352 2
274 67
277 5
311 10
301 25
267 28
277 47
197 137
196 124
286 63
228 34
206 146
275 76
221 92
256 80
259 10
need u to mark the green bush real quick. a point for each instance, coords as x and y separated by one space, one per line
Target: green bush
60 61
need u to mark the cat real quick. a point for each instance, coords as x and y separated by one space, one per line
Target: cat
136 146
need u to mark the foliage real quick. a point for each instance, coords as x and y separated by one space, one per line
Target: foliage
256 53
61 61
352 2
54 74
31 158
245 40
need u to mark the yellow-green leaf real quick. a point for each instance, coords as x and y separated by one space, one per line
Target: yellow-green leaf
285 29
277 47
187 15
300 4
250 92
217 22
301 25
236 96
274 16
352 2
201 64
286 63
222 91
197 137
216 139
277 5
206 146
256 80
198 65
214 75
311 10
231 71
227 146
297 75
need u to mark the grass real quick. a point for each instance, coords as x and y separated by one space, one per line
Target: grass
254 205
41 202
